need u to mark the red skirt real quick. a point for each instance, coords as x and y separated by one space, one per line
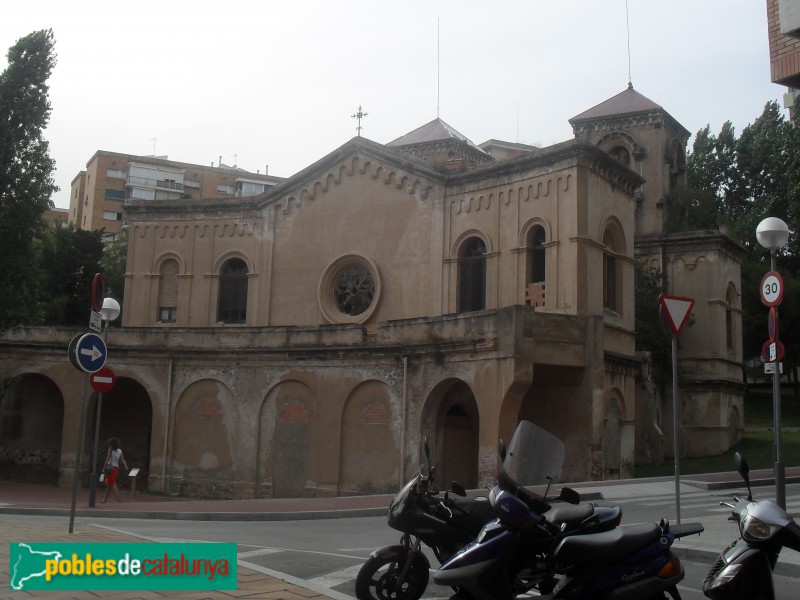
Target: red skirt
111 478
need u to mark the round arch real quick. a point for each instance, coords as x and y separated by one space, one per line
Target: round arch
455 249
165 256
529 225
612 434
126 413
611 228
227 256
369 441
450 420
204 427
31 429
282 461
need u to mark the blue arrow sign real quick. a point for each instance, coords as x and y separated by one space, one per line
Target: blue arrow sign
91 352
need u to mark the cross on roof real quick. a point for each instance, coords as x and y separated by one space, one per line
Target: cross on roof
359 115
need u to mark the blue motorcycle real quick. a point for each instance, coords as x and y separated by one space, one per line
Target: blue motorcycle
521 550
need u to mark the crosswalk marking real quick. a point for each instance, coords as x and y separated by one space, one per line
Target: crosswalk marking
335 578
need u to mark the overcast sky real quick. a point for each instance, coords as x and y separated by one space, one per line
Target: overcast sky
263 82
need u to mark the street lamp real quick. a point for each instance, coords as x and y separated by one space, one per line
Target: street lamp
772 233
108 313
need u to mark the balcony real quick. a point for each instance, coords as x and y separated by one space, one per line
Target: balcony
163 184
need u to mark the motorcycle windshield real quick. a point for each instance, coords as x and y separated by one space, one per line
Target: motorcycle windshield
398 505
533 455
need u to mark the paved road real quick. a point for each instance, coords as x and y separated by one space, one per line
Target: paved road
327 553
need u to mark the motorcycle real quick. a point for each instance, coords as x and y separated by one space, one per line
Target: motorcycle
446 524
744 569
522 549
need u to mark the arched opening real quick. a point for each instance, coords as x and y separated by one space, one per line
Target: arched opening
611 441
730 325
472 275
205 429
31 423
621 155
536 267
612 274
168 291
126 413
369 449
453 433
232 306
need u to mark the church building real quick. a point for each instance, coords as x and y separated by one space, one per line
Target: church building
307 340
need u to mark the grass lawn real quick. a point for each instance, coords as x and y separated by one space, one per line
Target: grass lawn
756 444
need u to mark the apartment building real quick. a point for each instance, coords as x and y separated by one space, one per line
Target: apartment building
783 25
111 179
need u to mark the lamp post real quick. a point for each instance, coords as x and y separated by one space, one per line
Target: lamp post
772 233
108 313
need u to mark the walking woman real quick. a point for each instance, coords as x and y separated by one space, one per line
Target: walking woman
111 468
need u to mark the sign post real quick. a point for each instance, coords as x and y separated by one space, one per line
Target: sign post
677 310
102 382
773 350
87 353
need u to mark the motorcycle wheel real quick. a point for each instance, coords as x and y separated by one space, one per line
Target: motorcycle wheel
378 577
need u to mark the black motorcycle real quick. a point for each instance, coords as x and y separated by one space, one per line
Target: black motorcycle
446 524
744 569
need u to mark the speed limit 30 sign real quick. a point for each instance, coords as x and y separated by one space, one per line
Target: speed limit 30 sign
772 289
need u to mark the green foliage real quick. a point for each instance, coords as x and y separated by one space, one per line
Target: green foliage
26 173
650 284
742 181
113 266
72 256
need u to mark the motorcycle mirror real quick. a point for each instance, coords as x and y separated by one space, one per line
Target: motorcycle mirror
569 496
744 470
458 489
741 464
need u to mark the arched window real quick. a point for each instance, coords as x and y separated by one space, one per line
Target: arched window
536 262
610 275
472 275
232 307
168 291
621 155
730 301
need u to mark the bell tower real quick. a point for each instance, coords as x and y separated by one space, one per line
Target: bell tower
644 137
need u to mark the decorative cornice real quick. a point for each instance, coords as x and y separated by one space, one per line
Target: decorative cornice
354 165
165 229
523 192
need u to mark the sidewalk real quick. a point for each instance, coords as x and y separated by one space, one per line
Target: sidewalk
42 500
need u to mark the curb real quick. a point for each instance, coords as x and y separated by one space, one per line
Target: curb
352 513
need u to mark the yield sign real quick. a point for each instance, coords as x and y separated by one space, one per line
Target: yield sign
677 310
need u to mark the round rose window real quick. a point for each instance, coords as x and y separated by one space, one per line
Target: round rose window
349 289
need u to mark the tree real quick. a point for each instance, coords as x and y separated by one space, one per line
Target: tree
72 256
649 284
744 180
113 267
26 173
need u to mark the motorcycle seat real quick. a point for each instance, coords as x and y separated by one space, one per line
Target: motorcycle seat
606 547
573 516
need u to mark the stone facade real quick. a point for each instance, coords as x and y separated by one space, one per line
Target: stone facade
306 341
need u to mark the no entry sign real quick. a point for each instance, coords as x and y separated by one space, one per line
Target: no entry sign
103 380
